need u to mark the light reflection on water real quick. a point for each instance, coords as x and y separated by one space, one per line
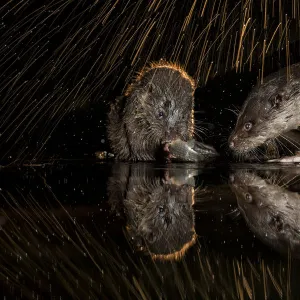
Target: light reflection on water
147 231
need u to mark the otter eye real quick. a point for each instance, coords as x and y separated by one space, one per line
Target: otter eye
160 114
161 209
248 126
248 198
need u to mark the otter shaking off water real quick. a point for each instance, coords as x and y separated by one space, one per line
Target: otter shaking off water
156 110
271 110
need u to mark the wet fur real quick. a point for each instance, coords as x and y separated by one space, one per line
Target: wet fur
273 108
135 129
273 213
159 216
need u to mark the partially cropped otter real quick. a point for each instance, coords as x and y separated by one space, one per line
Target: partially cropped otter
157 109
272 211
271 110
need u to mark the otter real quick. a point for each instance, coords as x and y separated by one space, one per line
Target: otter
271 110
157 108
271 210
157 207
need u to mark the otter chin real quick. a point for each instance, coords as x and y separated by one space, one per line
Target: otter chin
157 108
270 110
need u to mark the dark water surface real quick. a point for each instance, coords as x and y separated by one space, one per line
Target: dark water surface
87 230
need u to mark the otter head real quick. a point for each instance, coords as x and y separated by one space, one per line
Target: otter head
270 110
160 219
161 103
158 209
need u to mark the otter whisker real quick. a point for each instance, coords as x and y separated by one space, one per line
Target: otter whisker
291 141
279 143
291 180
285 146
199 134
200 128
233 111
237 109
255 152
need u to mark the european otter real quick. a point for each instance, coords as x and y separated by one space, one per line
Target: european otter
271 211
271 110
157 109
158 209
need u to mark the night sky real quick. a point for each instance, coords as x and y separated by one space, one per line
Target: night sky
62 64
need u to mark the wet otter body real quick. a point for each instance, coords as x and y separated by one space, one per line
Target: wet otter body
270 110
157 108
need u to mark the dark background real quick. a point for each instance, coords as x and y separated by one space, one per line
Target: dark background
63 63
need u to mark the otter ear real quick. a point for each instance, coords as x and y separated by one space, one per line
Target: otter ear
276 101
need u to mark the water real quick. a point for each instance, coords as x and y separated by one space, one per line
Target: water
91 230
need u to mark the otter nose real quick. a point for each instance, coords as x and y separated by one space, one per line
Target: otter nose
231 143
171 134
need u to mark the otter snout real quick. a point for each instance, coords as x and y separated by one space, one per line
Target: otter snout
232 142
239 144
171 134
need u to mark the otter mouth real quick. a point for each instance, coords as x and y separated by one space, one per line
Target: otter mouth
166 143
166 146
166 150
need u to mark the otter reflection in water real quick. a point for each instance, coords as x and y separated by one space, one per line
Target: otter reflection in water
271 210
157 207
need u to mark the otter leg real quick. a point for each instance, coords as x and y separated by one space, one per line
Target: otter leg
288 159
